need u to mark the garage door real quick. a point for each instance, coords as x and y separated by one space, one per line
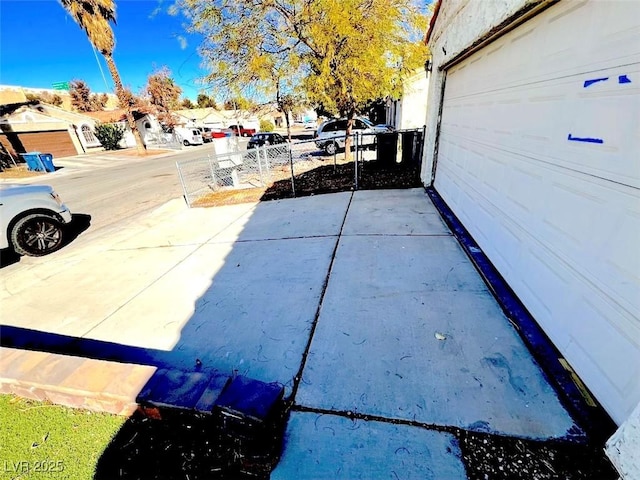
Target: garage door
57 143
539 157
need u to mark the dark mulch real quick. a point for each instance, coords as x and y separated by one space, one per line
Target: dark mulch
183 445
492 457
340 178
186 445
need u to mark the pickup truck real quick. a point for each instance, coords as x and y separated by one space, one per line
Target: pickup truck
243 132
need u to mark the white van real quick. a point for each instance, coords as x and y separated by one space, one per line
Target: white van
189 136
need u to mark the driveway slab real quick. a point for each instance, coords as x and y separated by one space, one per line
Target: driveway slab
430 342
317 215
245 307
393 212
76 300
331 447
407 329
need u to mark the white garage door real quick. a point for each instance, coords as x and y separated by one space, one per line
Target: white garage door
539 157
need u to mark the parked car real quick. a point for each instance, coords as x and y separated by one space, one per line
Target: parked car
217 133
32 219
260 139
241 131
310 125
207 134
189 136
330 135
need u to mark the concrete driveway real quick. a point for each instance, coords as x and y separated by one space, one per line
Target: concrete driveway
362 304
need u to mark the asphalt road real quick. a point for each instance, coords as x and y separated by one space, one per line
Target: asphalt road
105 197
116 194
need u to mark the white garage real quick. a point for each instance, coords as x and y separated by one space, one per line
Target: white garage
537 152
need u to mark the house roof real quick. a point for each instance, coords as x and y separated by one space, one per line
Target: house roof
432 22
108 116
199 114
9 108
45 109
118 115
63 114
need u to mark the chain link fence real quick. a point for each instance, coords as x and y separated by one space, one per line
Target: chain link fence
160 139
301 167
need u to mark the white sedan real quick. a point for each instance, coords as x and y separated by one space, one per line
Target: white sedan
32 219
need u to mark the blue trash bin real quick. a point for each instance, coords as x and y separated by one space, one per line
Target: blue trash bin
33 161
47 161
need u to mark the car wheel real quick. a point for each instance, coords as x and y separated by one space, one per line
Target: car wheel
36 235
185 143
331 148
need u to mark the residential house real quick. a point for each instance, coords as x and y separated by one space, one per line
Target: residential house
532 141
243 117
35 126
201 117
270 113
147 124
410 111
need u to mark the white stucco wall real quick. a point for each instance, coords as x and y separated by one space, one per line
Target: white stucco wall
413 108
459 24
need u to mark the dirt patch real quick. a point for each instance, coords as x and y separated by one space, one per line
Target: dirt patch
230 197
133 152
19 171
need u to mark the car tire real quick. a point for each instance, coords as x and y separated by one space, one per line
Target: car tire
37 235
331 148
185 143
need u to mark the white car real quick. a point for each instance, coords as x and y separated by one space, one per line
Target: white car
330 135
189 136
32 219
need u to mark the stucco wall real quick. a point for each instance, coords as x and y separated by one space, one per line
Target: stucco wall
414 101
460 23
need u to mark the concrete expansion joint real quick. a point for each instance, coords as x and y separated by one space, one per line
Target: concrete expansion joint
134 249
298 377
456 431
303 237
398 235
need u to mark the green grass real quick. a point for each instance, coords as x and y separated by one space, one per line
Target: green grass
43 441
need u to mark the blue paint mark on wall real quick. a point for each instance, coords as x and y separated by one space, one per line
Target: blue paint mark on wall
584 139
623 79
588 83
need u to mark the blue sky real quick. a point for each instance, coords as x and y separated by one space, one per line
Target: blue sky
40 44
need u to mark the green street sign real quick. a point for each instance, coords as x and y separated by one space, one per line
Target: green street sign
61 86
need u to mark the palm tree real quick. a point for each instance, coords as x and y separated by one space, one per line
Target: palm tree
94 17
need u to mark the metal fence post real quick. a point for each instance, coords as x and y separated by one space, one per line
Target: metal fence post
212 169
355 162
293 183
259 165
424 135
184 187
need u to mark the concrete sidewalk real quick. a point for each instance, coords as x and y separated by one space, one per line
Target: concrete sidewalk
362 304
